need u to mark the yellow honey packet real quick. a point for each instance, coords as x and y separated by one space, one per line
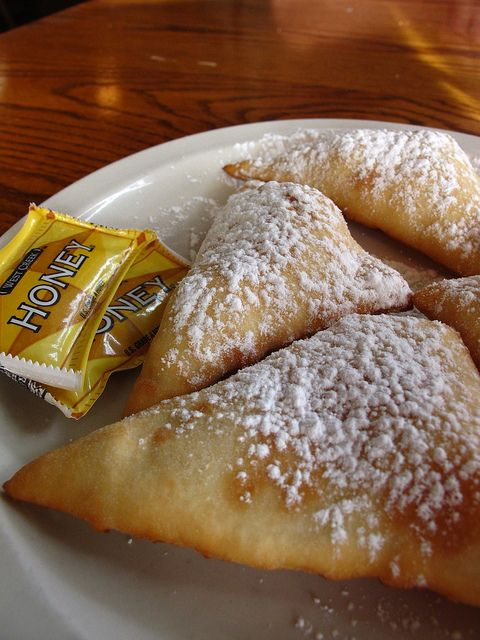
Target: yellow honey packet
57 278
127 327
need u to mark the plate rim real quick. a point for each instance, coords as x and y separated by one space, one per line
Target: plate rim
175 146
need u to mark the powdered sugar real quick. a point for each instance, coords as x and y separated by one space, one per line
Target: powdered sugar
362 412
423 176
364 610
475 160
462 292
277 255
193 215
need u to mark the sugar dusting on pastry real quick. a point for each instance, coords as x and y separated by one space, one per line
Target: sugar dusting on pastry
464 291
261 233
389 159
457 303
423 176
373 411
353 453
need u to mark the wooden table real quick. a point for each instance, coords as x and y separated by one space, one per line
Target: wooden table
106 78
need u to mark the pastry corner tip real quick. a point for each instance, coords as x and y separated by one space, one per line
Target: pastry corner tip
238 169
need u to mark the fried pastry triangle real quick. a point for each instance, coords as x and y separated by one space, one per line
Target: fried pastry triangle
353 453
277 264
456 302
417 186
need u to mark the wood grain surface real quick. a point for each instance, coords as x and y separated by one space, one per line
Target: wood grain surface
104 79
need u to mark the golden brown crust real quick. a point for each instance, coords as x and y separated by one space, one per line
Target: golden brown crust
417 186
277 265
172 473
457 303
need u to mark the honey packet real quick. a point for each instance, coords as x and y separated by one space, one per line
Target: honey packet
128 325
57 277
126 329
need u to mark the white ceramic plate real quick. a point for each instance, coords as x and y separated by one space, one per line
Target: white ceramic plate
61 580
